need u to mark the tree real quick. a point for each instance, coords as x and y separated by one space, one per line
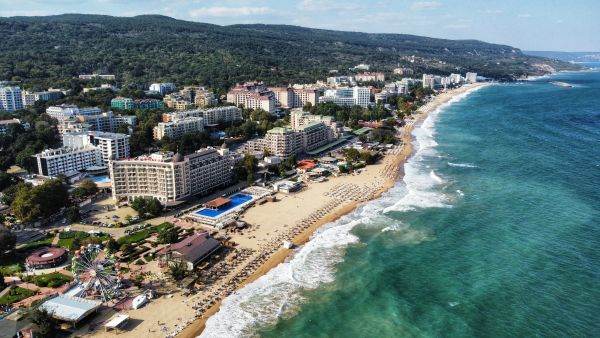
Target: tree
7 240
32 203
45 324
367 157
168 235
2 283
177 270
111 245
351 154
7 180
147 206
86 188
126 249
72 214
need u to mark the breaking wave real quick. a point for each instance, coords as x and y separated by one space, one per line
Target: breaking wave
462 165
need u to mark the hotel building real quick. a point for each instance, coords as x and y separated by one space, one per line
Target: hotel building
281 141
307 133
178 127
52 162
252 95
289 97
112 146
367 76
348 96
471 77
170 177
94 76
216 115
10 99
68 110
300 118
162 88
125 103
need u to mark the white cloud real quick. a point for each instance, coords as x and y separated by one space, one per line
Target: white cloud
326 5
524 15
425 5
220 12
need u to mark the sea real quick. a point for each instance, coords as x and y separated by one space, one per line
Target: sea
494 231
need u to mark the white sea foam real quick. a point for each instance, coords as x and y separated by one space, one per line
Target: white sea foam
462 165
278 293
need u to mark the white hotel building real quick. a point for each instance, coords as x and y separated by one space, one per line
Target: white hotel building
112 146
170 177
178 127
52 162
348 96
65 111
10 99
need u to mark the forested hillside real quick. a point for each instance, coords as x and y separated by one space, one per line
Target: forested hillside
47 51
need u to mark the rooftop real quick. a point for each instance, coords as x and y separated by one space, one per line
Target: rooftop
194 248
217 202
71 309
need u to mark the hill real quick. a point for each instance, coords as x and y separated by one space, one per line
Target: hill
44 51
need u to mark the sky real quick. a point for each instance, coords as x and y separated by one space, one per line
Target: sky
569 25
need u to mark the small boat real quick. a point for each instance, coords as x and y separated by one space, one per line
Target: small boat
139 301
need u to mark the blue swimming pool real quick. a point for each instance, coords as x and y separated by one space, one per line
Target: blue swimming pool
100 179
236 200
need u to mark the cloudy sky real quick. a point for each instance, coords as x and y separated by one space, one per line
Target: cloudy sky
569 25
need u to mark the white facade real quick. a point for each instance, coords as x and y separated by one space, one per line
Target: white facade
163 88
337 81
112 146
170 177
348 96
471 77
10 98
52 162
65 111
366 77
178 127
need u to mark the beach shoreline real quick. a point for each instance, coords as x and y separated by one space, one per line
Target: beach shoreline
393 171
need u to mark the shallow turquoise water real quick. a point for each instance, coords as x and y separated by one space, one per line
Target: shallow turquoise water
515 253
493 233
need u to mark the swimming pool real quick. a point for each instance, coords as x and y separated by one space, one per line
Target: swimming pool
100 179
236 201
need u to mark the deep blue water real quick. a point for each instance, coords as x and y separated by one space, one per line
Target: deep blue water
494 232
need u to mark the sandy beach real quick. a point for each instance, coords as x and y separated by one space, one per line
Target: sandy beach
293 218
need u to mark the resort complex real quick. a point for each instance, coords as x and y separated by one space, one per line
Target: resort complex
172 203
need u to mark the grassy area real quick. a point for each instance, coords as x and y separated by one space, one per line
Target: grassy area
15 295
73 239
51 280
11 268
143 234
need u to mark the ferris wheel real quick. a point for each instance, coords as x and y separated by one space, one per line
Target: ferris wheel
95 273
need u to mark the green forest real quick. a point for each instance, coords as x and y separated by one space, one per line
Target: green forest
40 52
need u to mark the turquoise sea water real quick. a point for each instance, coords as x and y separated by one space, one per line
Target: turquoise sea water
494 232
